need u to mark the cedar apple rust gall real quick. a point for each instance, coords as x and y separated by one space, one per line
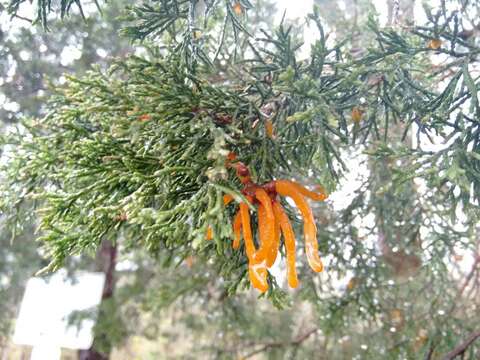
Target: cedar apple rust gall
272 223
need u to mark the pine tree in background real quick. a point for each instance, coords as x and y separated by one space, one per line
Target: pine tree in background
31 61
140 155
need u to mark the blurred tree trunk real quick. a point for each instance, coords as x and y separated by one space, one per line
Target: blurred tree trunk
105 262
395 249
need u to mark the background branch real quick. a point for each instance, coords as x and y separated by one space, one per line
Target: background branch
295 342
460 349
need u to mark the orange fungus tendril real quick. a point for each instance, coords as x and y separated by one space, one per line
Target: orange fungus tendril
318 196
209 235
227 199
257 271
246 229
237 228
265 201
287 188
289 237
262 226
272 255
258 275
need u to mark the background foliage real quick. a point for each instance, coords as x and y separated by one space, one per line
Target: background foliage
108 158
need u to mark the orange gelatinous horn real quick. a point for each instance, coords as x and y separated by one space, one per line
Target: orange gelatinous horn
286 188
209 235
246 228
257 270
271 252
237 228
268 222
318 196
257 274
311 246
262 227
289 236
227 199
272 255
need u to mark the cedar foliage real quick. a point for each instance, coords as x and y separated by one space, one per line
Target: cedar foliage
137 153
